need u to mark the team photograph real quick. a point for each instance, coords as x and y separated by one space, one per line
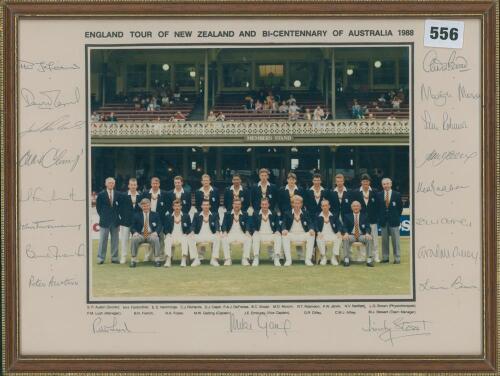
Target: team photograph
232 173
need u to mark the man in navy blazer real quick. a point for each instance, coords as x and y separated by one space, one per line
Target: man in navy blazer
178 193
107 208
237 190
328 229
207 193
287 192
314 196
205 228
297 226
236 229
127 208
367 197
390 207
158 199
266 227
177 227
340 198
146 229
264 189
356 228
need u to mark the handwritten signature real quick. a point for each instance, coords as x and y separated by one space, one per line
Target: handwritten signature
53 157
53 252
60 124
37 194
456 284
397 329
46 66
454 62
49 99
262 323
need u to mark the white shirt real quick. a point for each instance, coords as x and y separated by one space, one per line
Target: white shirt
205 194
178 194
390 193
235 227
154 203
133 198
177 230
296 226
205 227
317 199
327 227
341 196
365 196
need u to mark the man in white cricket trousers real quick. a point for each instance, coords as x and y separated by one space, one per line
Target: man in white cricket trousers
146 229
328 229
177 228
236 229
367 197
205 228
266 228
158 199
127 208
297 227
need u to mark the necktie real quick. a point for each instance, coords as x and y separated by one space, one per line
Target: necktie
146 225
356 226
387 199
110 196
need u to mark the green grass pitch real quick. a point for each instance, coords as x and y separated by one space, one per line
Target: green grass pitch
146 281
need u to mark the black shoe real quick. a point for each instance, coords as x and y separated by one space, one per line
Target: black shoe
157 264
347 262
100 262
115 262
133 264
384 261
397 261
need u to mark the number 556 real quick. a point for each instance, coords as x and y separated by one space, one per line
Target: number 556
443 33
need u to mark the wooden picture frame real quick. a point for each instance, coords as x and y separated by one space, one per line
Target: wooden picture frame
16 363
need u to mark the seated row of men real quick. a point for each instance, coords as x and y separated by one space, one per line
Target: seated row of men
352 215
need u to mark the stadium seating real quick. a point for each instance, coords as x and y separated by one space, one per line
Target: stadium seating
127 111
366 99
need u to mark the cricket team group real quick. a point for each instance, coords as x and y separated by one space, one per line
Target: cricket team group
336 218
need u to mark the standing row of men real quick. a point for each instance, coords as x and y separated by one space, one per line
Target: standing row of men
288 215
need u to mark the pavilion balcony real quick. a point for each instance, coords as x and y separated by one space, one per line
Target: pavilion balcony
197 133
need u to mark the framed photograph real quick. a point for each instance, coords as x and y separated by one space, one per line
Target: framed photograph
249 187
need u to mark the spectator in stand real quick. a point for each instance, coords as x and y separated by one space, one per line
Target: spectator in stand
177 95
293 114
381 99
211 116
318 113
95 116
391 116
112 117
165 100
274 107
396 102
293 107
356 110
258 106
179 116
266 106
283 108
291 100
221 117
308 115
370 115
249 104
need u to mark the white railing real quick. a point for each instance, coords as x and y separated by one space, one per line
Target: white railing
399 127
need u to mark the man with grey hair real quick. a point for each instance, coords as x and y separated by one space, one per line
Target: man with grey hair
107 208
146 229
390 208
356 228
